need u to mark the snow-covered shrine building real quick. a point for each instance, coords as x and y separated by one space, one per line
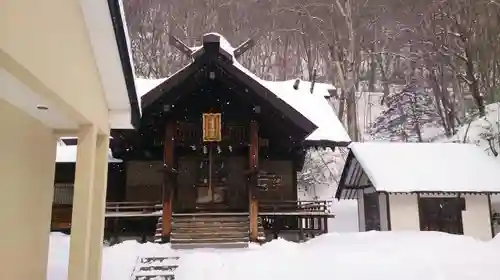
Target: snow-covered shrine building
444 187
215 156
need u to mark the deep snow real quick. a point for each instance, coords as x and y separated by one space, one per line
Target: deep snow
339 256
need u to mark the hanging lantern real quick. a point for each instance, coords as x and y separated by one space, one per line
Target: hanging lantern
212 126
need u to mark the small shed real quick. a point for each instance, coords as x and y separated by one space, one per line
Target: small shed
444 187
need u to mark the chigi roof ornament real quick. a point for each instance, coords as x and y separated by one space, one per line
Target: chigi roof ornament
212 42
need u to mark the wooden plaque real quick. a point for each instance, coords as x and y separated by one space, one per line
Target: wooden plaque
212 127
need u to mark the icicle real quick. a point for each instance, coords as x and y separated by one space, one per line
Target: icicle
219 149
230 148
205 150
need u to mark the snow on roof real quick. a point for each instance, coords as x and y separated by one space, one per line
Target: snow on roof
143 85
433 167
67 153
313 106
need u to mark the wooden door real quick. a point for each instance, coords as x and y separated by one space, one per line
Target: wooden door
212 179
441 214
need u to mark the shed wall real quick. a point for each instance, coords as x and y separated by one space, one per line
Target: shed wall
476 217
404 212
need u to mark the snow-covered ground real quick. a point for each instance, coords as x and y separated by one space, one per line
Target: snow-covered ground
339 256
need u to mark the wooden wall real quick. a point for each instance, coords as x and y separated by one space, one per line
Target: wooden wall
188 178
288 188
65 177
144 181
236 181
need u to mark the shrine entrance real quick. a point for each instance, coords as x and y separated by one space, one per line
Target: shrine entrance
212 186
212 159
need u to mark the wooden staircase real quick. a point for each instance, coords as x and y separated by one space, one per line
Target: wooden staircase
209 230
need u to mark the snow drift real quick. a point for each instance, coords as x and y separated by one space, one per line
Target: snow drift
369 255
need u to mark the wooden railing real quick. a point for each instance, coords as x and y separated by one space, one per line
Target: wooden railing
307 218
63 193
310 207
61 214
127 207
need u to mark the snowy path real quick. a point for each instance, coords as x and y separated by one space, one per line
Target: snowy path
345 256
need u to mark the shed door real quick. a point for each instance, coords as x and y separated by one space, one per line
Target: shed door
441 214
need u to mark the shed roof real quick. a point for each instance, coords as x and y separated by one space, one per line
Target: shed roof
424 167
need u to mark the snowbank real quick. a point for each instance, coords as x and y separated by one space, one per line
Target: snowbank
480 129
369 255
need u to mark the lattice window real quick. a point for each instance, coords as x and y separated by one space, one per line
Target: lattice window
63 193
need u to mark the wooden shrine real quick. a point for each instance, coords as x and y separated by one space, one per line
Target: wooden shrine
214 141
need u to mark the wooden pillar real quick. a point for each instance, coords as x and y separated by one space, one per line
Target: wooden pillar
254 168
254 146
168 181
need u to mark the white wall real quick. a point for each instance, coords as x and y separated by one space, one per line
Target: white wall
27 163
476 217
404 212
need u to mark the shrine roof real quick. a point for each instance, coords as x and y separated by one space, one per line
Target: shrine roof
312 111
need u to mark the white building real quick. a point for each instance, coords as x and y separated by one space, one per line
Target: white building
422 186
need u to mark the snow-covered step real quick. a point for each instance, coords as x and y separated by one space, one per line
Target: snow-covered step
204 230
155 268
226 245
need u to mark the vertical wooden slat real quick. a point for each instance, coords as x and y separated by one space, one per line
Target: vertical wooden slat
253 166
168 160
254 224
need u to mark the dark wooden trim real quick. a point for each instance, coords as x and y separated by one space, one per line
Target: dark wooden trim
492 224
359 174
170 85
168 183
418 211
388 209
341 184
243 47
325 143
128 71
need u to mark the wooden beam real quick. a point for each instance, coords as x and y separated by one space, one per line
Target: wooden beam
252 192
178 44
168 183
254 222
243 47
